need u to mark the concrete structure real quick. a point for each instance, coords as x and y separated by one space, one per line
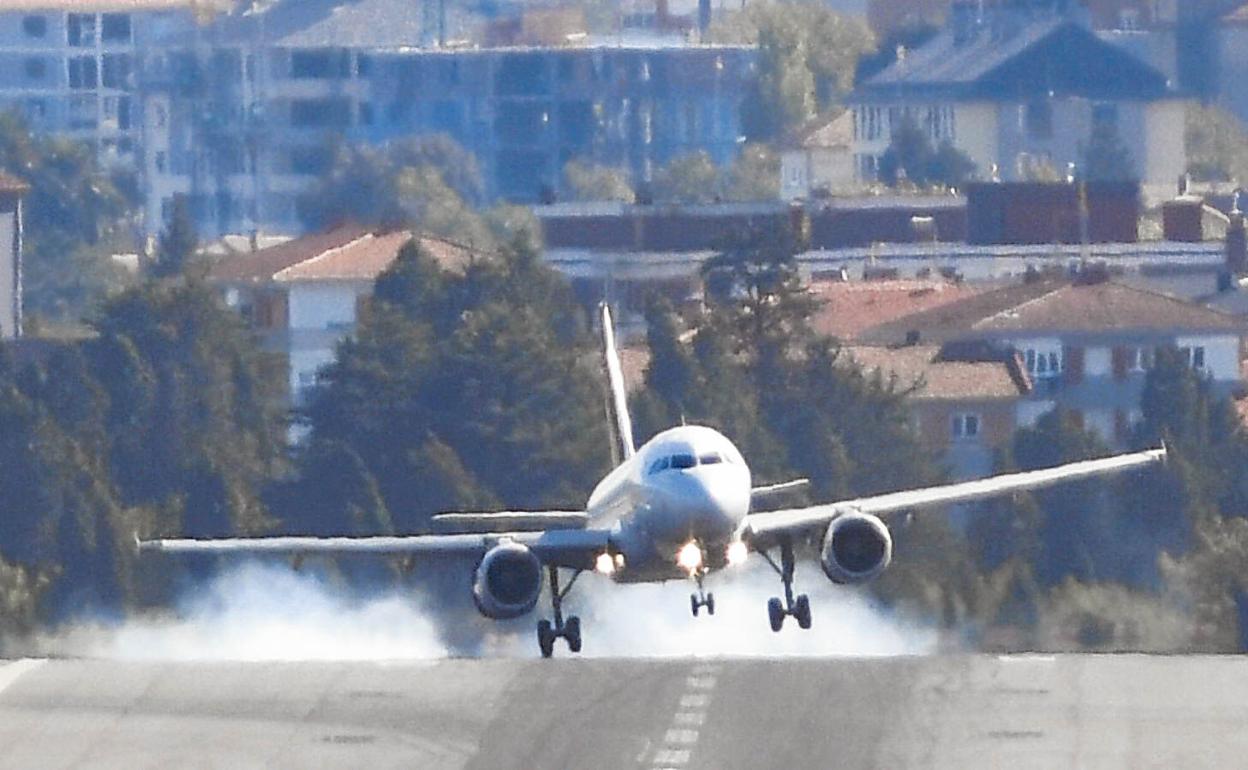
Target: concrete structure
12 190
304 296
1085 345
242 118
1023 97
71 67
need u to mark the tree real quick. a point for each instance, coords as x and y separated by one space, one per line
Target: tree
1105 158
754 175
193 421
590 182
1217 145
456 380
75 216
425 182
912 157
807 56
178 241
690 178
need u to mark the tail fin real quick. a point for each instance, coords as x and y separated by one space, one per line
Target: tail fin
615 378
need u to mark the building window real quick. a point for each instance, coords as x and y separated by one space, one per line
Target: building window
965 426
1195 356
1139 359
116 71
161 161
80 30
35 26
1039 120
115 27
82 72
1042 364
36 69
1105 116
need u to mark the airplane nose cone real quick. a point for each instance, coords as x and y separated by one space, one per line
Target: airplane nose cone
710 506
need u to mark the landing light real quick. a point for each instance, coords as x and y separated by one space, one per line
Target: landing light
690 557
737 553
604 564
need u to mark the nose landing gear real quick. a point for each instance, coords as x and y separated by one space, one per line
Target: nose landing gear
798 607
570 631
701 599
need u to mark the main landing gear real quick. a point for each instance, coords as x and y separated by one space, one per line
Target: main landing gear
701 599
547 632
799 608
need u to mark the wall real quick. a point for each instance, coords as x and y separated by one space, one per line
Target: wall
10 277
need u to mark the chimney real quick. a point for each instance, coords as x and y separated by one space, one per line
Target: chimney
1236 240
704 18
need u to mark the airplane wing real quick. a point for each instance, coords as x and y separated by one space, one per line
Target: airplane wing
575 548
794 520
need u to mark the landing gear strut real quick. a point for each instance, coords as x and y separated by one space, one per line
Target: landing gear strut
798 607
701 598
547 632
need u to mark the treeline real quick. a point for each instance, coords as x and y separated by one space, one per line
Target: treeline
480 387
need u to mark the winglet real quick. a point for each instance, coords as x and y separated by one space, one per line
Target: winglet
615 378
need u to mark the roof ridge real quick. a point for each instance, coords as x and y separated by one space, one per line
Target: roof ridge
1014 309
1177 300
278 276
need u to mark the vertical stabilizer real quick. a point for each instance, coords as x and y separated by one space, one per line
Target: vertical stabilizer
615 378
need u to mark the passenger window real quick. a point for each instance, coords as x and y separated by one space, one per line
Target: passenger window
658 465
710 458
683 461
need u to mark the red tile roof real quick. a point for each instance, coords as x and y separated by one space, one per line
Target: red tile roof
1052 306
940 379
13 184
348 253
851 307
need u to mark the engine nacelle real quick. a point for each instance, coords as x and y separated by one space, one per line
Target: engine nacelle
856 548
507 581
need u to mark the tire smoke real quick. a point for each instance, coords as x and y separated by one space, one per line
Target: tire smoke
266 612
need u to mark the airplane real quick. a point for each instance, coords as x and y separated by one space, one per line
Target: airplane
678 507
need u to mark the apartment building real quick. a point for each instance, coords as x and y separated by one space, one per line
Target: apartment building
240 119
71 67
1085 345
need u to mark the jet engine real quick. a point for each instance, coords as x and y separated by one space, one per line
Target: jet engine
507 582
856 548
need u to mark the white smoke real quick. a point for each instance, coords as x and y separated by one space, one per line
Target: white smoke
268 612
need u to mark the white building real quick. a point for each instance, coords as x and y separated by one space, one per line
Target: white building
304 296
819 161
1025 98
11 192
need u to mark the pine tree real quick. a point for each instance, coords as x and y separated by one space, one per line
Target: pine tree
178 241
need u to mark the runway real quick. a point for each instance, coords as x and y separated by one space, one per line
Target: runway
721 714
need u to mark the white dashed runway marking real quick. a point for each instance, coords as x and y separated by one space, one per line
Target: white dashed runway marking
682 737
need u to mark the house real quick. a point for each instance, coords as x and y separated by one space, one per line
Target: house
1085 344
1023 95
964 404
818 161
304 296
12 190
847 308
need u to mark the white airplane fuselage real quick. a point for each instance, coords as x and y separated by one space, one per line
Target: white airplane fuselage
686 485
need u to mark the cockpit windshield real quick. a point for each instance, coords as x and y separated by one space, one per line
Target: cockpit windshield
683 461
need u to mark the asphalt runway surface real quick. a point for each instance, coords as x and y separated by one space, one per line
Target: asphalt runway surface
920 712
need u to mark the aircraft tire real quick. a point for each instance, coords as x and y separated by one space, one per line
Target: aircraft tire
693 604
545 638
801 611
710 604
775 614
572 632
